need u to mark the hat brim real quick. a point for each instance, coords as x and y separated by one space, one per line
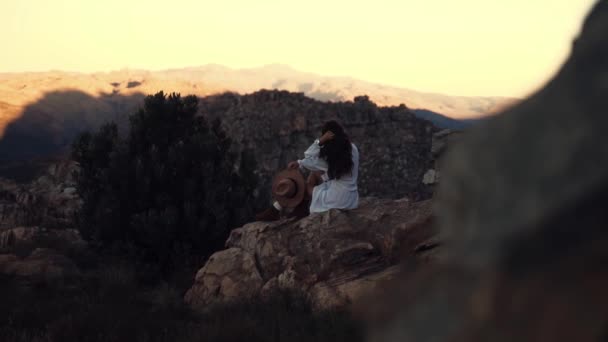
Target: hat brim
298 178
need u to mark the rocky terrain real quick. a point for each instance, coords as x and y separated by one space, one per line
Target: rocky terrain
50 201
270 128
37 226
40 113
275 127
521 242
335 257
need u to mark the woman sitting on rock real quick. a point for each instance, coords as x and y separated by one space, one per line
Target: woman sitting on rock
333 162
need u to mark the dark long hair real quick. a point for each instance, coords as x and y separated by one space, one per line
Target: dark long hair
337 152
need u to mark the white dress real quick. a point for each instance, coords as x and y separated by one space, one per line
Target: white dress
341 193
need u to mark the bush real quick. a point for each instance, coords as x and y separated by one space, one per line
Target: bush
169 188
109 306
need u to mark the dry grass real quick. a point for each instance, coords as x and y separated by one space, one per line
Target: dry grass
111 304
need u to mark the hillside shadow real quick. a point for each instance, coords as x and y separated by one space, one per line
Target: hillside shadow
45 129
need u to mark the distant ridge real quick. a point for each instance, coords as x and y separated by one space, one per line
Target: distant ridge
335 88
213 78
47 109
445 122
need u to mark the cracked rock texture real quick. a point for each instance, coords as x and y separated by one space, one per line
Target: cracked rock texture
335 257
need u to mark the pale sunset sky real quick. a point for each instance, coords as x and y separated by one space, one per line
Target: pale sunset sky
455 47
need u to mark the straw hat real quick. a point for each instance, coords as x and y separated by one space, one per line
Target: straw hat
289 188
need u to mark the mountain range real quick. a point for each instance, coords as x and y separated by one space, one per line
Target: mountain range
328 88
47 109
19 89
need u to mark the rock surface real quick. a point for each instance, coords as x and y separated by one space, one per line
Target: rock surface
50 201
269 129
228 275
521 208
335 257
36 221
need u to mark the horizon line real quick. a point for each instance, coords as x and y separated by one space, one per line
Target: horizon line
276 64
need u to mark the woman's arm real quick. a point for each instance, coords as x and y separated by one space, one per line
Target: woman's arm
311 159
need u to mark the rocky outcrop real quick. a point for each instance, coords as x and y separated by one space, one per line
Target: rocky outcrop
521 208
50 201
231 274
275 127
335 257
36 221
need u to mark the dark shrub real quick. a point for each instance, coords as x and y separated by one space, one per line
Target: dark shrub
169 189
109 307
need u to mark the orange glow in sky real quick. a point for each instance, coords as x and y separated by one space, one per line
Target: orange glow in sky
457 47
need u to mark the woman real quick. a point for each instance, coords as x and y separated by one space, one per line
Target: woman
333 162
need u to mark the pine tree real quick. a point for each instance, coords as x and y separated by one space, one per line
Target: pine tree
169 186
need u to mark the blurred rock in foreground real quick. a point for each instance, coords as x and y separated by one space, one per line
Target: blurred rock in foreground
522 210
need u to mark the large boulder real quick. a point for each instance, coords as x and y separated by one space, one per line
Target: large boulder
228 275
335 257
521 208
